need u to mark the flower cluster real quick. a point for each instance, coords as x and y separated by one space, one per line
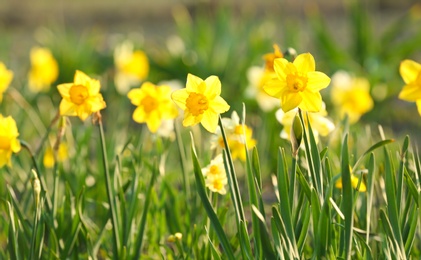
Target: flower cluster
215 175
132 67
239 136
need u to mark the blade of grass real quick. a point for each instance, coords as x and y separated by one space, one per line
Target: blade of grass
348 205
142 224
392 207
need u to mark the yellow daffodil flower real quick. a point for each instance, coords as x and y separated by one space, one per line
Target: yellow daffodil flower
82 97
62 155
9 142
297 83
411 75
6 77
354 183
44 69
257 78
319 122
132 67
351 95
201 101
237 136
215 175
270 58
153 105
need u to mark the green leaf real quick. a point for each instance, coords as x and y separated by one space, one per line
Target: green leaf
200 184
347 205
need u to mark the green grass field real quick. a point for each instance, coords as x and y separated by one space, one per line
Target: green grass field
236 137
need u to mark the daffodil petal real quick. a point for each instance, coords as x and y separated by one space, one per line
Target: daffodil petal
281 68
67 108
210 121
411 92
63 89
193 83
305 63
213 87
290 101
317 81
139 115
409 70
189 119
311 101
179 97
219 105
81 78
135 96
153 122
275 88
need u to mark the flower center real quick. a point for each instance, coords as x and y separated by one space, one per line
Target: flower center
78 94
197 103
217 184
418 80
214 170
4 143
149 104
296 82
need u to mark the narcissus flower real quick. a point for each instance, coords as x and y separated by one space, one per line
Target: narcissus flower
6 77
132 67
411 75
201 101
351 96
215 175
44 69
62 155
258 76
9 142
319 122
81 98
354 183
153 105
238 135
298 84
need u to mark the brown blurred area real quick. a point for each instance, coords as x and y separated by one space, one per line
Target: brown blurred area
156 14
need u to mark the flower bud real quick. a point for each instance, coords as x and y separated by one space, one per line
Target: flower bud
296 135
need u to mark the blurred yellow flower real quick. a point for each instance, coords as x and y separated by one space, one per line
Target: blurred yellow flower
297 83
81 98
6 77
270 58
8 140
319 122
354 183
351 95
62 155
132 67
215 175
411 75
201 101
153 105
44 69
257 78
238 135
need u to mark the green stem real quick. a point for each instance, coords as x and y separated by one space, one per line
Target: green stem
110 193
182 154
34 231
292 182
35 165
